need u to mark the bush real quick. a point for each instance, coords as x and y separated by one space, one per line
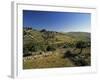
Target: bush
81 44
37 47
65 46
50 48
26 52
43 30
34 49
67 54
24 32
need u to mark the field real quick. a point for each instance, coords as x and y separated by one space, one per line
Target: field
53 60
49 49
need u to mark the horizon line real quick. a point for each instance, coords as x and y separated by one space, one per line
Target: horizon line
58 31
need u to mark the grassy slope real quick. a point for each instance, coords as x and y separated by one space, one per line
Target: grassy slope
34 36
79 35
37 36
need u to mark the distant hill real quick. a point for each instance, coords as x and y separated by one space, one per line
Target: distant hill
85 36
44 37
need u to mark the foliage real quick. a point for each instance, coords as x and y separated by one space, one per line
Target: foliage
51 48
43 30
67 54
81 44
26 52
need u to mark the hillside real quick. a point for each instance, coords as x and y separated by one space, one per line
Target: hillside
47 49
51 37
85 36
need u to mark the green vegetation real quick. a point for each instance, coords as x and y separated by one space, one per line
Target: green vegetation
47 49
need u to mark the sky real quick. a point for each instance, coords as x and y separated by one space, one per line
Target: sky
57 21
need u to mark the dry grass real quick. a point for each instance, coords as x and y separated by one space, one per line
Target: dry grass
51 61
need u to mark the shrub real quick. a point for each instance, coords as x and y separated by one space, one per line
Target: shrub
81 45
43 47
26 52
50 48
35 48
67 54
43 30
65 46
24 32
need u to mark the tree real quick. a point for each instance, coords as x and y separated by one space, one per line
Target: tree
24 32
43 30
80 45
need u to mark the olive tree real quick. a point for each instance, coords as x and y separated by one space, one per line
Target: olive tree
81 45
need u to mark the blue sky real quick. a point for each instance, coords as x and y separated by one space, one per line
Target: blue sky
57 21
